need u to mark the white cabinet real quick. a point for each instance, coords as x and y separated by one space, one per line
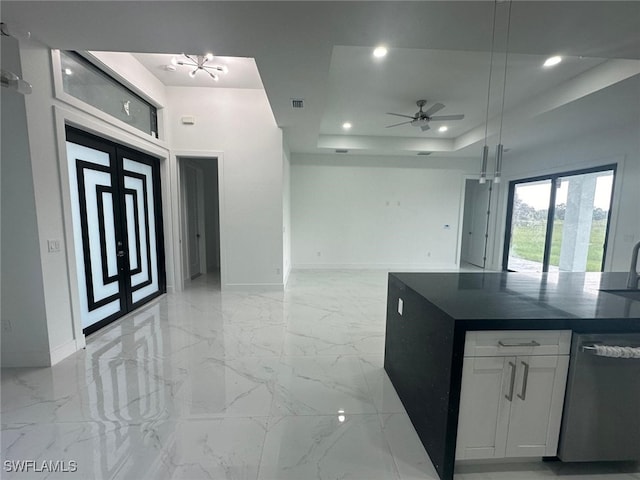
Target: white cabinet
513 387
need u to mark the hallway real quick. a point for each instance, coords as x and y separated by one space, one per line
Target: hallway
205 384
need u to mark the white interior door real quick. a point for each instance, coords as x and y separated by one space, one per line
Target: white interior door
194 213
476 205
191 211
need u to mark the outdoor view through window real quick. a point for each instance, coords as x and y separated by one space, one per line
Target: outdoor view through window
559 222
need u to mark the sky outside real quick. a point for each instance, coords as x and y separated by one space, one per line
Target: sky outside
536 194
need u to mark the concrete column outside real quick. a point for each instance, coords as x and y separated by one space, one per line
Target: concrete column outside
578 218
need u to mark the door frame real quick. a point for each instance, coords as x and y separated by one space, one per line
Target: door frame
489 207
180 265
99 127
117 153
185 165
551 212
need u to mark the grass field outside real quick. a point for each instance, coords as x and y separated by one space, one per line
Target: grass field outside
527 242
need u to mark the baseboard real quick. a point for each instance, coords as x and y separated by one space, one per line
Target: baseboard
63 351
391 267
253 287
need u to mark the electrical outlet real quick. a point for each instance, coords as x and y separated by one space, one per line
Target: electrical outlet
428 254
318 253
277 271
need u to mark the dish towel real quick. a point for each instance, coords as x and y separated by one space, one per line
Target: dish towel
617 352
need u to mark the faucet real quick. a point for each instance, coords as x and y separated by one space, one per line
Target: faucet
634 277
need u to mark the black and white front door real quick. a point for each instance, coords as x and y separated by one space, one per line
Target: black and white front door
117 223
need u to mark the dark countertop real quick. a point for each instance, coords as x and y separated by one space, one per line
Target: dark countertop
424 344
538 297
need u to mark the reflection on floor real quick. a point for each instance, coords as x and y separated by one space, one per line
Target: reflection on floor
205 384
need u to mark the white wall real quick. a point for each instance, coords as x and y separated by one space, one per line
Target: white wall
376 212
24 327
620 146
239 123
286 213
46 114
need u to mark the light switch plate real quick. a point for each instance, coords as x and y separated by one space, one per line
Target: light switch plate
53 246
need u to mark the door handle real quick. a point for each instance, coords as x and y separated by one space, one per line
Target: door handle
525 379
532 343
512 382
120 254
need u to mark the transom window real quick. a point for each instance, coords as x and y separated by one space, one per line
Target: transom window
86 82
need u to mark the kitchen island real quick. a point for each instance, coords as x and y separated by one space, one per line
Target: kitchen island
429 314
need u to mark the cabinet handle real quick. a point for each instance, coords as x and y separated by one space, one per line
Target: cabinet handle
532 343
513 381
525 380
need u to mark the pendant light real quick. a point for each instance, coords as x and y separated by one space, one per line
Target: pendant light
485 149
500 147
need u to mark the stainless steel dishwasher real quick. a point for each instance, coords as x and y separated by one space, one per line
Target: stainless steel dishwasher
601 418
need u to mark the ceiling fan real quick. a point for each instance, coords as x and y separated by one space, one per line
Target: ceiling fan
421 119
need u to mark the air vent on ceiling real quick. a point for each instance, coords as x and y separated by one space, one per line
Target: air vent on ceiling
341 150
424 153
297 103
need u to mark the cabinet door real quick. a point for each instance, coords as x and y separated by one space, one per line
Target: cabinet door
484 407
536 409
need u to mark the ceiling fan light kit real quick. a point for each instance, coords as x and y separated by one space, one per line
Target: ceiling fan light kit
421 118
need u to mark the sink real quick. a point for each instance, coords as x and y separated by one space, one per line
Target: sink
626 293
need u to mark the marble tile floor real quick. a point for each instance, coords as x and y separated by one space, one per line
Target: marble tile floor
211 385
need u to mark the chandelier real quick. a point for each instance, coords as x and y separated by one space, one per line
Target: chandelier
200 63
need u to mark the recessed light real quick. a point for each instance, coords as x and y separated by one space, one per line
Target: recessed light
443 128
170 68
346 125
380 51
551 61
68 71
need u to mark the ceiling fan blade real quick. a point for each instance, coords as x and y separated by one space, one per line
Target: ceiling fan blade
397 124
424 128
401 115
442 118
435 108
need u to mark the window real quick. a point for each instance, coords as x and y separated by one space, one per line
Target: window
86 82
559 222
